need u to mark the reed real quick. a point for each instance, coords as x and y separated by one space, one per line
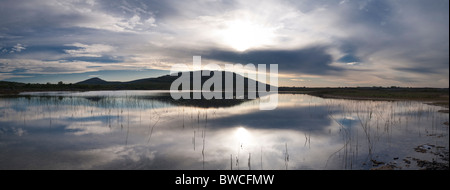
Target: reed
286 157
261 159
249 160
231 161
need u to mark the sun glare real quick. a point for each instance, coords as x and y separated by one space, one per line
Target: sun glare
243 34
242 135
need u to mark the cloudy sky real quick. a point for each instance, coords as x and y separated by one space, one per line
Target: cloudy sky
315 43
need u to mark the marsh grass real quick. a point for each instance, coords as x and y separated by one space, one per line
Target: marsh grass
286 157
249 161
378 121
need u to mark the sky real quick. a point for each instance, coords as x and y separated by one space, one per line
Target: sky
316 43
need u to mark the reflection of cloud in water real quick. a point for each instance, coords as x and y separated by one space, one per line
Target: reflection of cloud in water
131 157
349 121
17 131
300 118
84 128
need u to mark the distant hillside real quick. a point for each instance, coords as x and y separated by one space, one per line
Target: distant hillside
92 84
438 96
94 81
164 82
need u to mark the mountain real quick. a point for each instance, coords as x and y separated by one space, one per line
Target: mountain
94 81
164 82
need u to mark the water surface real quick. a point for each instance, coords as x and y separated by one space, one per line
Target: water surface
148 130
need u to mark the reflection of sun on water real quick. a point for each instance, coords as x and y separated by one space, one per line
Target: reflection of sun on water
242 135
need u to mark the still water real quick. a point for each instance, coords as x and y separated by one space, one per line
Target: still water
148 130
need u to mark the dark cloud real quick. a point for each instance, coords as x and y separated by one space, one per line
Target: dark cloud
102 59
399 79
369 13
313 60
420 70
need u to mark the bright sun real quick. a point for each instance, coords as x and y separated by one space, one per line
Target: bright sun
243 34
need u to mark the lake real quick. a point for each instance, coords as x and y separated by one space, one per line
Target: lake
148 130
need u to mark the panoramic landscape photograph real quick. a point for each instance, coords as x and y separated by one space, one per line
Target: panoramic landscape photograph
224 85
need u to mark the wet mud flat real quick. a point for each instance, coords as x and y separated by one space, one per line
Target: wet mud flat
437 159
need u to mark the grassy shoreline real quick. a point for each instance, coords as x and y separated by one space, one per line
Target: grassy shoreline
433 96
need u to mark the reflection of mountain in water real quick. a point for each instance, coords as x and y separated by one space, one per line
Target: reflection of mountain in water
166 98
94 98
203 103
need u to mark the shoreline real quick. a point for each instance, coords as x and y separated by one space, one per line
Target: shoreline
430 96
